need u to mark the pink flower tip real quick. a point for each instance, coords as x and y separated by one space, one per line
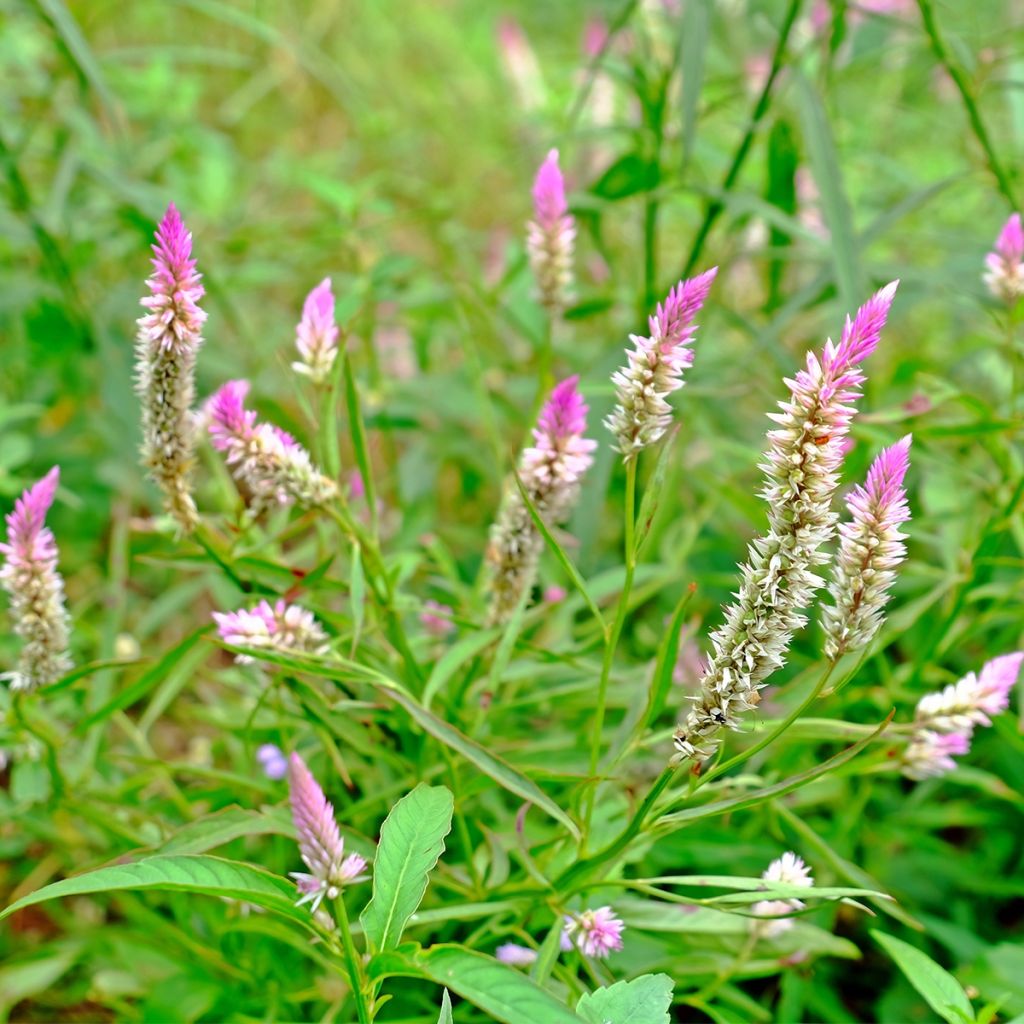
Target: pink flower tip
29 515
887 472
1010 243
672 317
995 681
565 412
861 334
549 192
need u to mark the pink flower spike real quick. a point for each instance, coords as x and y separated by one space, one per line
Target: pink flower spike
655 368
282 627
320 843
166 345
1005 274
996 680
859 338
930 754
870 550
550 236
596 933
36 589
972 700
316 336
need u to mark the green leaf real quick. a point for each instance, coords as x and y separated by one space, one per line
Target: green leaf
696 25
446 1009
210 876
357 594
454 657
490 764
22 979
940 990
652 492
644 1000
626 177
359 443
226 825
411 840
501 992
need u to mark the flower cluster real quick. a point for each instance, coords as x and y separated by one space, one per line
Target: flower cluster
550 471
788 869
870 549
30 577
945 721
804 455
268 461
655 369
316 336
1005 274
595 933
320 843
279 627
550 236
168 340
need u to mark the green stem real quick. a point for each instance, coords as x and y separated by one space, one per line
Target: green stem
717 206
955 72
612 639
355 973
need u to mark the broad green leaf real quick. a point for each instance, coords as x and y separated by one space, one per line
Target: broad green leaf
445 1016
940 990
503 993
210 876
411 840
501 771
644 1000
226 825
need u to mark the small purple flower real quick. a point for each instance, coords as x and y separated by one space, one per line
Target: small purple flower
595 932
655 368
436 618
550 236
273 761
554 594
515 955
263 457
320 843
167 342
36 588
316 336
1005 274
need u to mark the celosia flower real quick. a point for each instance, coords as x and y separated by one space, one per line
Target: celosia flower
971 701
36 588
655 369
550 470
788 869
595 932
515 955
870 549
930 754
272 761
1005 274
554 594
266 459
280 627
168 340
436 618
778 579
320 843
316 336
550 236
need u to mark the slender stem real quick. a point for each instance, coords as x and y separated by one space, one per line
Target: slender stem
717 206
46 736
771 737
942 52
355 973
709 990
612 639
1012 355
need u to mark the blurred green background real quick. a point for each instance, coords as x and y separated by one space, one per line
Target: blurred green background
391 145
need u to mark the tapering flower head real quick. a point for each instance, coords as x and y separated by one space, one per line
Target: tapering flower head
801 466
515 955
36 589
316 336
930 754
279 627
870 549
788 869
521 64
1005 274
264 458
550 236
168 340
595 933
655 368
550 470
320 843
973 700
